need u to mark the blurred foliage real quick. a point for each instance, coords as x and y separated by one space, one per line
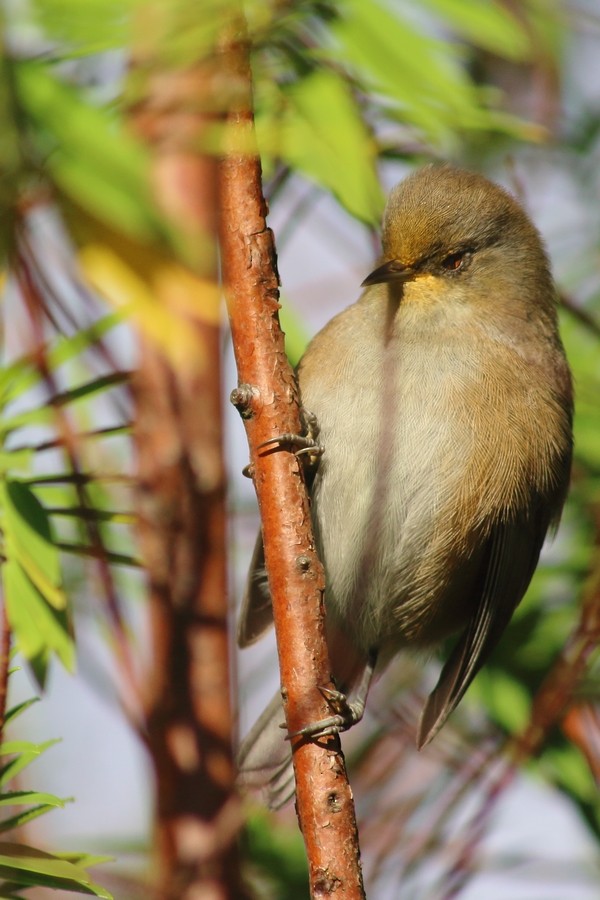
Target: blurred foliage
278 870
23 867
31 502
341 90
339 85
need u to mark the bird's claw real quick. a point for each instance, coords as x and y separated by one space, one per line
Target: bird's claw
345 715
306 444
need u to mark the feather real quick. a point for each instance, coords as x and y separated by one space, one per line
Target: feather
513 553
256 614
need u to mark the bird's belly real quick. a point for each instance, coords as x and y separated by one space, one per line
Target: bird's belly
384 520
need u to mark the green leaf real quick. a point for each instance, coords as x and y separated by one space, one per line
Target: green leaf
567 767
296 336
13 461
487 25
93 26
405 66
582 352
38 628
15 711
278 853
12 164
28 866
91 388
26 816
46 415
97 515
93 160
25 752
29 541
324 137
115 559
23 374
85 859
418 79
41 415
53 493
20 798
505 699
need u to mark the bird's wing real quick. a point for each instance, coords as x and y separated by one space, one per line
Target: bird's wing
512 556
256 614
265 758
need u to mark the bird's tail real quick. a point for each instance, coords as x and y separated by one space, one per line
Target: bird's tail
265 757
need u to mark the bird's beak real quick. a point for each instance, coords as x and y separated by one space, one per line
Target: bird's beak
393 270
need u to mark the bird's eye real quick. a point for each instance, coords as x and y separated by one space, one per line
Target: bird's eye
455 261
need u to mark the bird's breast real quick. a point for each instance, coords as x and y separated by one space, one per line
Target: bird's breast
427 442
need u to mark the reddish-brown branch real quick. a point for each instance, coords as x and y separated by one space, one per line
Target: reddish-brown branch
182 537
581 725
268 402
557 691
181 506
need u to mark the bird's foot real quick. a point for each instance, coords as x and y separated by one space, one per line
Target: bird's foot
308 446
307 443
345 715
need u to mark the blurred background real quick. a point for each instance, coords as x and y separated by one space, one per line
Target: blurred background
349 98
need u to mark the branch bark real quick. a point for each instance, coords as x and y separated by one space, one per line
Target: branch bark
267 399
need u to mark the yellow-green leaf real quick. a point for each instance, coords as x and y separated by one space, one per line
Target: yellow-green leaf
324 136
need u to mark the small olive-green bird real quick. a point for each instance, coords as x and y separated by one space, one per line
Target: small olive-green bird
444 403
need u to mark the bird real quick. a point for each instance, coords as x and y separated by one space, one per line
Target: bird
444 405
